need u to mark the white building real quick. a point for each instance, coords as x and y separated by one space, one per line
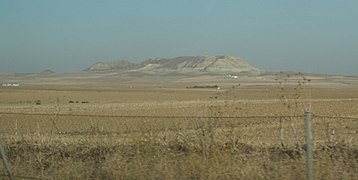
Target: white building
232 76
10 84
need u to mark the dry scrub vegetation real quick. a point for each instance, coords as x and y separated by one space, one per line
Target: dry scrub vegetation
220 135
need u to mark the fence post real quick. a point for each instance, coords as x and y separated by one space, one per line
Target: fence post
309 145
5 162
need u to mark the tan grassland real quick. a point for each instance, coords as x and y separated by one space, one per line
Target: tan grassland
122 131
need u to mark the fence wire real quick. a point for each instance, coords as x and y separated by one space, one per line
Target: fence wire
280 128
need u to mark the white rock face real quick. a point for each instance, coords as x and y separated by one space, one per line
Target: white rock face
214 64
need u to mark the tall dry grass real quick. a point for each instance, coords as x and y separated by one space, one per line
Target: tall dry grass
194 149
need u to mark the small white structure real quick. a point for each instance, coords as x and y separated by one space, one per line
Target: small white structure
10 84
232 76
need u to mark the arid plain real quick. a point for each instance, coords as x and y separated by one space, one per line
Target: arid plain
180 126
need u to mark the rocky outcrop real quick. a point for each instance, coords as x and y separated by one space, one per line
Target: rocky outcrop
213 64
113 66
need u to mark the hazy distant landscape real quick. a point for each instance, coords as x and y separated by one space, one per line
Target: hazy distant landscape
202 89
182 71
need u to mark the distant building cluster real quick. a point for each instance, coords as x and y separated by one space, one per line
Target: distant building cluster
232 76
10 84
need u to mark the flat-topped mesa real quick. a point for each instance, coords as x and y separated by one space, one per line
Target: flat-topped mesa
182 64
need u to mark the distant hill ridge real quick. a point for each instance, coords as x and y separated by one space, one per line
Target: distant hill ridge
210 64
47 71
113 65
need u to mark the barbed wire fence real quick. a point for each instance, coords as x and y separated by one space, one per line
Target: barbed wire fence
284 131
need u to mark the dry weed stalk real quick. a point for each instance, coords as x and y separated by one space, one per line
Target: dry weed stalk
291 93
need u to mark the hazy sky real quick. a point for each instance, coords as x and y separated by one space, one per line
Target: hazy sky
69 35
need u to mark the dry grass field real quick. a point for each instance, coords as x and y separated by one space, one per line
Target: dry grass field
174 132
